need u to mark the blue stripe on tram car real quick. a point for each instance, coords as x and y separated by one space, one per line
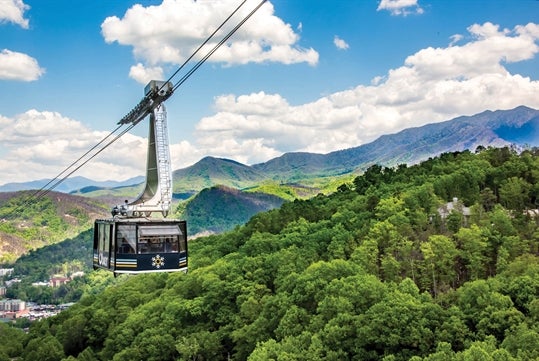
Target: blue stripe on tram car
126 263
183 262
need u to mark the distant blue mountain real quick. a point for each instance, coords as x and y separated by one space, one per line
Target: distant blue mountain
519 126
70 184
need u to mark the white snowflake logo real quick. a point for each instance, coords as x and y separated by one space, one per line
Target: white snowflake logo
158 261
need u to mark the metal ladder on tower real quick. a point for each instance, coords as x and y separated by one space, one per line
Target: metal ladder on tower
163 157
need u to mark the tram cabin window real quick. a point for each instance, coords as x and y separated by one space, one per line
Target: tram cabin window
159 239
170 244
102 245
158 244
126 238
125 247
183 244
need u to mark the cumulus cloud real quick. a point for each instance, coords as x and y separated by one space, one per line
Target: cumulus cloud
170 32
143 74
12 11
434 84
42 144
19 66
35 145
340 43
15 65
400 7
455 39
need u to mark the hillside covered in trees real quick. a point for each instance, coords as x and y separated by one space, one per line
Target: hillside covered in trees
221 208
382 269
28 222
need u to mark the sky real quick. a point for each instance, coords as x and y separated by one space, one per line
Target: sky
310 76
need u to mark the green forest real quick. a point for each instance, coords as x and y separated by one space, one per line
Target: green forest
29 223
378 270
63 258
218 209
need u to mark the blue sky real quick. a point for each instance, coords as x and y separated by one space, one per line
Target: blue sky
313 75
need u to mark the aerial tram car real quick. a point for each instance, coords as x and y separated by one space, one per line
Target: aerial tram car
132 241
140 245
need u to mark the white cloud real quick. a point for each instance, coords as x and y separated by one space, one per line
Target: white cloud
340 43
400 7
15 65
184 154
434 84
13 11
42 144
169 33
455 39
19 66
143 75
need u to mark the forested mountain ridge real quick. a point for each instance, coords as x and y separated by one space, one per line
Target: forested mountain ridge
371 272
220 208
27 222
488 129
211 171
299 175
519 126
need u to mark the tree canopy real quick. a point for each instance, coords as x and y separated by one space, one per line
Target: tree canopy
371 272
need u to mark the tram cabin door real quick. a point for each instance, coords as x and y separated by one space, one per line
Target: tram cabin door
103 246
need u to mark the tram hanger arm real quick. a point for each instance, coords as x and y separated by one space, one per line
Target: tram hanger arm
155 96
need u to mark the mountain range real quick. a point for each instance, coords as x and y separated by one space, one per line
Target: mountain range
410 146
518 126
381 274
70 184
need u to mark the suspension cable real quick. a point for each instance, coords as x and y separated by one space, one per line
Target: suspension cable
131 126
217 46
44 190
205 42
